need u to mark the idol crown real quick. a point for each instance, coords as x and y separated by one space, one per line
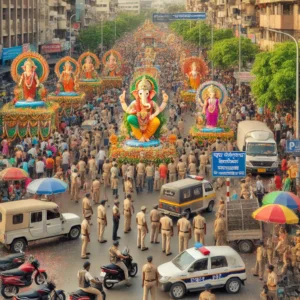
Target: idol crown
144 84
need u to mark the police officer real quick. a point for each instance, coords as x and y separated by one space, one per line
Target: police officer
116 220
75 185
85 279
219 228
172 171
128 211
272 282
166 229
96 190
102 221
115 256
87 206
154 218
260 258
207 295
85 235
184 232
199 227
150 279
142 228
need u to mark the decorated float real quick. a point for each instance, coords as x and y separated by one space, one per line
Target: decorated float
29 114
194 69
67 95
89 81
212 113
112 71
148 35
143 134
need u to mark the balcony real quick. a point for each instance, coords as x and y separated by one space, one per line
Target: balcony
61 22
277 21
53 13
249 21
4 28
19 27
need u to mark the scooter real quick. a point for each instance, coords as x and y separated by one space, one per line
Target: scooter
112 274
23 276
12 261
81 295
45 292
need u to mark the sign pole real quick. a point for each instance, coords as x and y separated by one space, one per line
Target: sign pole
227 189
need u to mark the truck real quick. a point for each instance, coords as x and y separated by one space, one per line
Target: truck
241 229
257 140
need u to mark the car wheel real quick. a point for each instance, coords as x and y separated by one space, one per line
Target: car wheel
40 278
210 206
177 290
107 285
8 291
74 233
133 271
18 245
233 285
245 246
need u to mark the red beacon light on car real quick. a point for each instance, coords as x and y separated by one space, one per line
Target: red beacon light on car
196 177
201 248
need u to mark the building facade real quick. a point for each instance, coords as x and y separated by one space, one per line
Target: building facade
132 6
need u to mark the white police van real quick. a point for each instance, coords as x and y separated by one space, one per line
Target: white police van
192 269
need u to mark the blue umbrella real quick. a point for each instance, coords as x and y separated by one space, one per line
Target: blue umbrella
47 186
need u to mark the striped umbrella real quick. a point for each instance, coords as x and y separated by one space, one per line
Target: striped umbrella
287 199
47 186
9 174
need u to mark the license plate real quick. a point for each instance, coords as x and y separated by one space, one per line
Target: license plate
261 170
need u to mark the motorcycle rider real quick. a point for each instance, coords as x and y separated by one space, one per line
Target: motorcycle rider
115 256
85 279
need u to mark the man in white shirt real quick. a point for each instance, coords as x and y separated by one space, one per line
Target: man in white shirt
65 160
39 168
101 157
33 151
43 145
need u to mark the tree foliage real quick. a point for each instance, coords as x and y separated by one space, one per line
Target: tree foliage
275 73
225 53
90 38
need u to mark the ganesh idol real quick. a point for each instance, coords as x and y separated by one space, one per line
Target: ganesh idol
67 79
194 77
143 111
112 67
212 108
88 69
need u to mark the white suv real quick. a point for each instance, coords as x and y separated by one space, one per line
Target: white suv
191 271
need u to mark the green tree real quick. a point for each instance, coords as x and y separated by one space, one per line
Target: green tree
225 53
275 73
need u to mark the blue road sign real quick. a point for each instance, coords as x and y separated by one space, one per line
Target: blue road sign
293 146
178 16
229 164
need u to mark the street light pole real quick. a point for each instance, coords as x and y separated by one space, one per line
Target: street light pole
297 77
101 34
70 33
199 37
240 47
212 45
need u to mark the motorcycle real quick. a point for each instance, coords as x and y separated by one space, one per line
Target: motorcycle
12 261
112 274
81 295
23 276
44 292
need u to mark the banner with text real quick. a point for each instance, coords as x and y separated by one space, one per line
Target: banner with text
157 17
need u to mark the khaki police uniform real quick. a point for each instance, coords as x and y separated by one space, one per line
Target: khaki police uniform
150 279
106 173
86 207
203 162
92 168
192 169
128 210
206 295
272 284
84 284
172 172
128 188
114 254
260 258
102 221
85 233
140 169
82 170
219 227
166 231
184 226
142 229
154 218
96 190
181 168
74 187
199 229
270 250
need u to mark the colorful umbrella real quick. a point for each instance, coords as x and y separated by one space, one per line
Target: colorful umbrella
13 174
47 186
275 213
287 199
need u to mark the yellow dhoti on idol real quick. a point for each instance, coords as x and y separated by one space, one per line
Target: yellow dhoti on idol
150 130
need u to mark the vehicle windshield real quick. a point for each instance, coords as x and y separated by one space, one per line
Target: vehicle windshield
183 260
261 149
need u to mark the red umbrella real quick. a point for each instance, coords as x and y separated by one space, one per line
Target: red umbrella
13 174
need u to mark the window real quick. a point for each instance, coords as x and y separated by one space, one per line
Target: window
218 262
0 217
200 265
18 219
198 191
52 214
186 194
208 187
183 260
36 217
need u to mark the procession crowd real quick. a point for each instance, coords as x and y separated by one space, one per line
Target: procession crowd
80 157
